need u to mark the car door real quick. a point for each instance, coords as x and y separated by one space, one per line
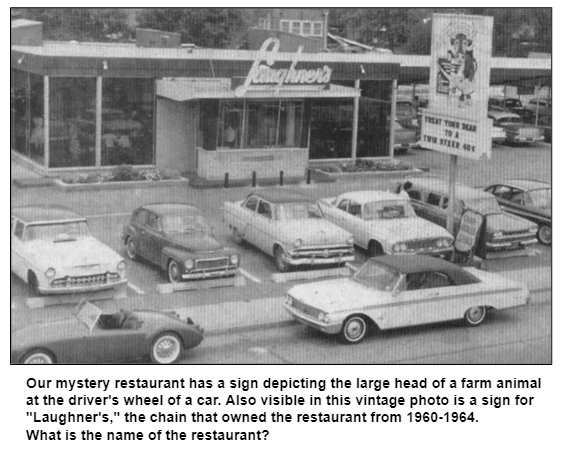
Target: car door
248 216
113 345
265 226
154 238
138 222
354 223
432 209
426 297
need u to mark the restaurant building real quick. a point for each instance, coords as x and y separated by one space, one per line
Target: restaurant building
78 107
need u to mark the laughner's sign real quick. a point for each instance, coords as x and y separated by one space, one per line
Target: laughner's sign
262 74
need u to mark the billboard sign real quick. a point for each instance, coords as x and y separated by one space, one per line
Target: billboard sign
456 120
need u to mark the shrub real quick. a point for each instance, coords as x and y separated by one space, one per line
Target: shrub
125 173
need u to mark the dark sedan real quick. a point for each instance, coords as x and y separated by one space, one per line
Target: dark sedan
529 199
178 239
91 337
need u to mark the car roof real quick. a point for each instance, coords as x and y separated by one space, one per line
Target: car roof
277 196
442 187
497 113
407 264
363 197
166 209
45 213
526 184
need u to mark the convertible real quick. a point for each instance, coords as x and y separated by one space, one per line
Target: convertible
399 291
92 337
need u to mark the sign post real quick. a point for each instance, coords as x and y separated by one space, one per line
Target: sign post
456 120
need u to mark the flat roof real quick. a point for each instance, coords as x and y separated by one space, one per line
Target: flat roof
45 213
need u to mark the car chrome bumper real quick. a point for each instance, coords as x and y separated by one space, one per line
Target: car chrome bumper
92 287
510 245
330 328
204 274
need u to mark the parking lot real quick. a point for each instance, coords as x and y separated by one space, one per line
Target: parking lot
107 211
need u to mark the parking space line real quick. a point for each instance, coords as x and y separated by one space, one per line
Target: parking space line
135 288
250 276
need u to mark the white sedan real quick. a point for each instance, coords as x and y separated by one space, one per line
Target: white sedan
54 251
385 223
398 291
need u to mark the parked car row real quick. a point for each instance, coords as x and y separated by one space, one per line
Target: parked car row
406 281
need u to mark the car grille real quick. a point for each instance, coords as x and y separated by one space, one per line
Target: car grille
514 236
424 244
320 252
305 309
209 264
100 278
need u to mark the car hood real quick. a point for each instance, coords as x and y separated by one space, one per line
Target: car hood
313 231
407 229
195 243
506 222
335 295
85 254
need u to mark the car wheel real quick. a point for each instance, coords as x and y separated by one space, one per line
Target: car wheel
475 316
132 249
166 348
374 249
38 357
545 234
237 237
33 284
354 329
174 274
280 261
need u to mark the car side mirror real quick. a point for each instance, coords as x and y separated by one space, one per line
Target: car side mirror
396 292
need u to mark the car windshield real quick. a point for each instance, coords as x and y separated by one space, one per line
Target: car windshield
185 223
540 198
377 276
513 103
298 211
57 232
506 120
484 205
388 210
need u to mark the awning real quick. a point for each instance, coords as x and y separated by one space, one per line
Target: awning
220 88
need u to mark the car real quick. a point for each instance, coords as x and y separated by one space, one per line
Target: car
498 135
502 231
53 250
289 226
177 239
385 223
512 105
406 113
89 337
404 137
530 199
545 122
516 131
400 291
542 105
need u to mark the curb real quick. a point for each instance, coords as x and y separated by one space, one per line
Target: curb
68 187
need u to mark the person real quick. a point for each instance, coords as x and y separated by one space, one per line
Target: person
230 136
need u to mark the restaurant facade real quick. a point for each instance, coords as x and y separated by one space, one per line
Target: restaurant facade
81 107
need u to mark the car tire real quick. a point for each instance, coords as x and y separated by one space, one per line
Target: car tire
38 357
354 329
132 249
33 284
545 234
237 237
375 249
475 316
166 348
280 262
174 273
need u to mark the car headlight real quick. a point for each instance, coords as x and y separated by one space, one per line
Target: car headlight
323 317
121 265
189 264
297 243
350 240
533 230
50 273
288 300
497 234
399 247
234 259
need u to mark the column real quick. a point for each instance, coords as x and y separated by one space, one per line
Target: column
99 98
354 132
46 121
392 117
